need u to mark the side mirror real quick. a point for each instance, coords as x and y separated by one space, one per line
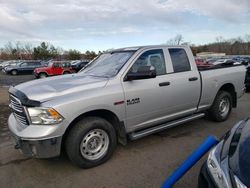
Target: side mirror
143 72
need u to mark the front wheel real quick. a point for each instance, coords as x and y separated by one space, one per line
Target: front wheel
43 75
91 142
13 72
221 107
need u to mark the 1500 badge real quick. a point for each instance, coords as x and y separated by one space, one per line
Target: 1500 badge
133 101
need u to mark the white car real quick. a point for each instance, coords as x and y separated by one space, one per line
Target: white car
226 62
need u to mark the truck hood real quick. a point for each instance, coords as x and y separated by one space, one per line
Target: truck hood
46 89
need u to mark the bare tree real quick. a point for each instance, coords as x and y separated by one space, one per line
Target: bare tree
177 40
8 47
219 39
28 48
247 37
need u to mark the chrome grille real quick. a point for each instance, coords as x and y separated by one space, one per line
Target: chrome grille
18 110
16 104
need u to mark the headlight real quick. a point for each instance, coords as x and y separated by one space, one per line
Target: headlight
238 183
44 116
215 169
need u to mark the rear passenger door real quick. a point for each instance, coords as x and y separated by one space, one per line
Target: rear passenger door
185 83
23 68
31 66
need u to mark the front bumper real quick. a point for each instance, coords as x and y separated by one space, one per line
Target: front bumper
39 148
6 71
37 141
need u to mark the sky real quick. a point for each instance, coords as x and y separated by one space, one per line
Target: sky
105 24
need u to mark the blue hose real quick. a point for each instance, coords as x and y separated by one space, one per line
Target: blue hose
190 161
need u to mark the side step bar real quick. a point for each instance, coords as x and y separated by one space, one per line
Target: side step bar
158 128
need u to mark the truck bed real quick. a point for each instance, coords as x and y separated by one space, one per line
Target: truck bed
213 78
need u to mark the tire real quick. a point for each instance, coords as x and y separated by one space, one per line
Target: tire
43 75
91 142
13 72
221 107
66 72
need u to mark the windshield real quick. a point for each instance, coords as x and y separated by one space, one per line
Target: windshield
107 64
50 64
75 62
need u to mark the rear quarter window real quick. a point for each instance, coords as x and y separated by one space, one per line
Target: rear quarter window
179 60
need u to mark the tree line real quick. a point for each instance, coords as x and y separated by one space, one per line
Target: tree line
44 51
233 46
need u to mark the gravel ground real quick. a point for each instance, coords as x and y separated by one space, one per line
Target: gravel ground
8 80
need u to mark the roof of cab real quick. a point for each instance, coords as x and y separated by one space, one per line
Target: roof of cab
135 48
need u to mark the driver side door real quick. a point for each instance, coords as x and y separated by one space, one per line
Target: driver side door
57 70
145 98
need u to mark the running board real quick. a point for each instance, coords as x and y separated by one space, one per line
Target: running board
158 128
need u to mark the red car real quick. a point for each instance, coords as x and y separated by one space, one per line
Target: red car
53 68
201 63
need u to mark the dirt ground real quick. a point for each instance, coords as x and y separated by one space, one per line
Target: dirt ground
8 80
143 163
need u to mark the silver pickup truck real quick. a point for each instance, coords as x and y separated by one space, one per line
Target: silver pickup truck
124 94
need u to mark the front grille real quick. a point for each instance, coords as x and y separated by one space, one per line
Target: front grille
18 110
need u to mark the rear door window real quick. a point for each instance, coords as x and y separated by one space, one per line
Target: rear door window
179 60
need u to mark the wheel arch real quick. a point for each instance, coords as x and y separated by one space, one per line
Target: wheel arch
108 115
66 71
229 87
43 72
13 70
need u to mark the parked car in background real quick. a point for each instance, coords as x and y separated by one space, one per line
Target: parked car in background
228 163
25 67
245 61
211 60
202 63
45 63
9 63
78 64
53 68
226 62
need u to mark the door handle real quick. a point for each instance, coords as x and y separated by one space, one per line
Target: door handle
193 79
164 84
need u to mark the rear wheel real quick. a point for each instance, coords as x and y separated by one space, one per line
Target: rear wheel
43 75
13 72
221 107
66 72
91 142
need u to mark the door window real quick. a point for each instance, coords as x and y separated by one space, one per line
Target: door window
56 65
153 58
179 60
24 64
